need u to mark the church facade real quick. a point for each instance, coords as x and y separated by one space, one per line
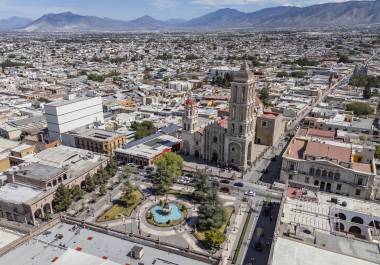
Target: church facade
225 141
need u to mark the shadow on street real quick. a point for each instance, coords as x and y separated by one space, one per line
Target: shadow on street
261 240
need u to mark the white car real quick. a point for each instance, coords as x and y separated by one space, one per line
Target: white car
250 193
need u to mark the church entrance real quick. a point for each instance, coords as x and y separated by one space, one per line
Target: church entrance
214 157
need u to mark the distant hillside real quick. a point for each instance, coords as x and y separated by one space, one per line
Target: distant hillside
352 13
14 23
346 14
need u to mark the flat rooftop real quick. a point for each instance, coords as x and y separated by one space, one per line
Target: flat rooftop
290 252
64 155
313 209
95 134
82 246
15 193
67 101
8 236
151 148
39 171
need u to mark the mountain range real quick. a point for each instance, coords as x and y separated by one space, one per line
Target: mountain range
343 14
14 23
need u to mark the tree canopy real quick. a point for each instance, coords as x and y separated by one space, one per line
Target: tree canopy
202 186
359 108
211 214
264 96
214 238
143 129
169 167
62 199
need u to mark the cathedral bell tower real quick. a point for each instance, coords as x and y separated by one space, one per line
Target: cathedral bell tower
240 136
190 116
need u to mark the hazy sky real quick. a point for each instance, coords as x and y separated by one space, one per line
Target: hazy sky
129 9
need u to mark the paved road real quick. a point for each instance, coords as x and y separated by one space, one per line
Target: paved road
267 224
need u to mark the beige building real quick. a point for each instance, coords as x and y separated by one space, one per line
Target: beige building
96 140
329 166
29 192
269 128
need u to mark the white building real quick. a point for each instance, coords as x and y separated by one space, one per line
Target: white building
67 115
180 85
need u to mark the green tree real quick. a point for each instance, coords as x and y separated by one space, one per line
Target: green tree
298 74
90 184
76 193
282 74
127 171
264 96
143 129
359 108
128 189
211 214
169 167
214 238
377 153
343 58
102 189
62 199
367 92
202 186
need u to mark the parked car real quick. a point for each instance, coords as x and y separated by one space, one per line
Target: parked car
239 184
225 181
250 193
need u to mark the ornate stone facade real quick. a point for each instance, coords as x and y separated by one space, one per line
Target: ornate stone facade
227 142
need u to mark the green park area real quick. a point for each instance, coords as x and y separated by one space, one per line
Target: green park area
122 207
201 235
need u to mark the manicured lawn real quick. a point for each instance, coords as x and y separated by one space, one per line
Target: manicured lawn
200 235
117 210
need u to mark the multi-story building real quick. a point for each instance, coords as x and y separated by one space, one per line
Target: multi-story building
330 166
269 128
70 114
29 191
95 140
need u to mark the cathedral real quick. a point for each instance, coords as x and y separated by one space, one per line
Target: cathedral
227 141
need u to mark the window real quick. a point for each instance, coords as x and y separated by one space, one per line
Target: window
311 171
318 172
337 176
240 129
264 124
338 186
290 177
324 173
357 192
307 179
233 127
331 175
360 181
291 166
215 139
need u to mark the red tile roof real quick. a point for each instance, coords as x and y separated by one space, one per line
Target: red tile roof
223 122
363 167
318 149
317 133
297 148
